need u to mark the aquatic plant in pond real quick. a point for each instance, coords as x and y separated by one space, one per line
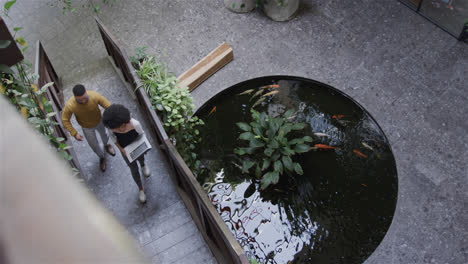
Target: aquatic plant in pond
269 145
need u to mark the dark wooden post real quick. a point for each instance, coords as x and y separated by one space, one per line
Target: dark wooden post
12 54
44 69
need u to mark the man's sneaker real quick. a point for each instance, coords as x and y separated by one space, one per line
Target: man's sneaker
146 171
142 196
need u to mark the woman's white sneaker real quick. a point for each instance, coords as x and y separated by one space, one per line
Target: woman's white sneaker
146 171
142 196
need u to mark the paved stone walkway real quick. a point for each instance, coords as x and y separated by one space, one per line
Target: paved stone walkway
163 227
409 74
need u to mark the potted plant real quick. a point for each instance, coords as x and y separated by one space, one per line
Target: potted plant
240 6
279 10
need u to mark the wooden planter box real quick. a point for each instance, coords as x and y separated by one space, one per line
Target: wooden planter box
219 238
222 243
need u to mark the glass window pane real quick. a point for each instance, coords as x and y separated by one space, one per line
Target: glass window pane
449 14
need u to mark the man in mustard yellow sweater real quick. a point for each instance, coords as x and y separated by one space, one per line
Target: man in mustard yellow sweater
85 106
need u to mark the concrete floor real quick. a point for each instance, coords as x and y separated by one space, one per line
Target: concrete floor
410 75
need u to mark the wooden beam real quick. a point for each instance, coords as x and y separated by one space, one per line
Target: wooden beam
206 67
12 54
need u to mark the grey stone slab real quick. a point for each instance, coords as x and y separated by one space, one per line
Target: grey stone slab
158 229
427 220
141 233
173 238
433 153
449 70
178 251
448 112
200 255
164 214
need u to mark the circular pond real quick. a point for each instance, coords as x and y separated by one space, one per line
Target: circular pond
335 208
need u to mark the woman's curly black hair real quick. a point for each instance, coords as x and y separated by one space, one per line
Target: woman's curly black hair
115 115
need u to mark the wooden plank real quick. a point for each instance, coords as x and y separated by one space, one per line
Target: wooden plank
108 34
44 69
50 68
206 67
12 54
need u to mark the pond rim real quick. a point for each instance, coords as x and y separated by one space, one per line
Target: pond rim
269 78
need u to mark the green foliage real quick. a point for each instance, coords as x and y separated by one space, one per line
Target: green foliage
71 6
7 6
30 101
254 261
140 55
277 2
241 5
175 107
269 149
18 85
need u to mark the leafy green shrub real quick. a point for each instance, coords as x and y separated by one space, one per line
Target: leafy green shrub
175 107
18 84
30 101
269 145
140 55
254 261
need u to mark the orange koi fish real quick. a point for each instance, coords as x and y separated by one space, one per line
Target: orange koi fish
212 110
322 146
338 116
359 153
273 86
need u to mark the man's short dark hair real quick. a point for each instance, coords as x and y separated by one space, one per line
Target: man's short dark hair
79 90
115 115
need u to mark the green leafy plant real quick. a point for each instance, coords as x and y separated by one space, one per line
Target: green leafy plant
7 6
20 89
277 2
18 85
174 105
241 5
254 261
270 146
140 55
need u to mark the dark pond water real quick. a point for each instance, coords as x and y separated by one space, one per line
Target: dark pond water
338 211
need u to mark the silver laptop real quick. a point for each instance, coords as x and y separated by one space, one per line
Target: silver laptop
137 148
